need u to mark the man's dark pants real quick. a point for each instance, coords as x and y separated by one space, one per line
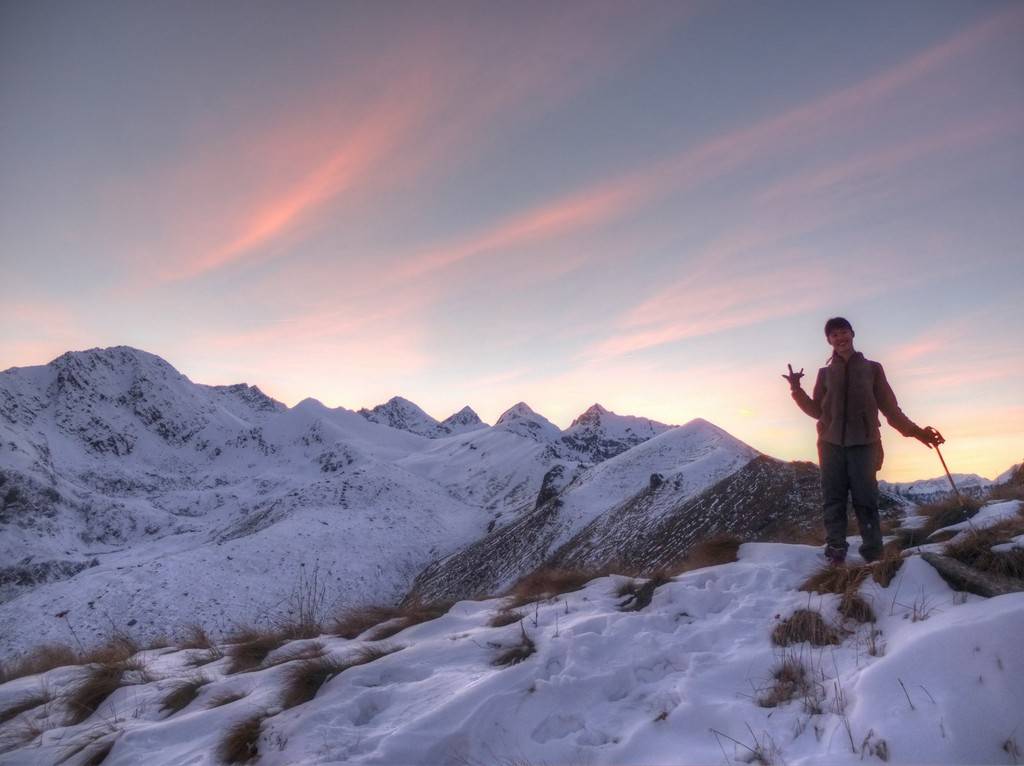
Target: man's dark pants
851 470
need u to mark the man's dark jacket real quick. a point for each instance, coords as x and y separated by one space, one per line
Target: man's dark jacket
846 400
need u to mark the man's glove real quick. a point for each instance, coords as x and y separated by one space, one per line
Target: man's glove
794 377
929 437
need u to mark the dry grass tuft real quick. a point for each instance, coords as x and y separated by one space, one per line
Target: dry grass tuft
548 583
412 614
99 753
804 625
1007 492
853 607
303 681
118 648
226 698
388 620
838 580
252 648
353 622
940 514
101 680
196 637
504 617
885 569
30 701
975 549
517 652
182 695
720 549
368 654
310 651
791 680
39 660
241 741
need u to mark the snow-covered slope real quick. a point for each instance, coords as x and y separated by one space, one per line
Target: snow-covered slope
688 679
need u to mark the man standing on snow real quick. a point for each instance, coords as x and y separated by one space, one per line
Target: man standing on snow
848 394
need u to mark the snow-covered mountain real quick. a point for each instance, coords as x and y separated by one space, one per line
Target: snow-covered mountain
933 490
462 421
599 434
134 499
131 496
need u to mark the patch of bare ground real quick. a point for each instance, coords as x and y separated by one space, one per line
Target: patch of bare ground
637 594
518 652
804 625
719 549
240 743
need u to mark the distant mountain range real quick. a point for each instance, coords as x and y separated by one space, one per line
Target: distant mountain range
133 498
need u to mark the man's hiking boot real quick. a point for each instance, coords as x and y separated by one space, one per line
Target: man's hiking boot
835 556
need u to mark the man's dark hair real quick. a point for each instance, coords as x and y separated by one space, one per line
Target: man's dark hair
837 323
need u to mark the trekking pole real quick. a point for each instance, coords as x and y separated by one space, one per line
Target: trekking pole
950 477
959 499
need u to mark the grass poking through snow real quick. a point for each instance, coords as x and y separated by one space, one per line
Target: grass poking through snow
804 625
240 743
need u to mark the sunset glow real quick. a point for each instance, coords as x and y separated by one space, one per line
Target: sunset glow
650 206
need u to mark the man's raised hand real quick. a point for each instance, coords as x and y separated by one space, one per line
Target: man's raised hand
794 377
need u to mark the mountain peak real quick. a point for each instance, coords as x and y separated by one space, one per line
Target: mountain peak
592 414
517 410
398 412
463 420
522 420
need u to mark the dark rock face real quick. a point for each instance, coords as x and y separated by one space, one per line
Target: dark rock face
27 575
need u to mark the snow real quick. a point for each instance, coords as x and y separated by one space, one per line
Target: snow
675 683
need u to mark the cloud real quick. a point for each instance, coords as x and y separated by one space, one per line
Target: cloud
723 155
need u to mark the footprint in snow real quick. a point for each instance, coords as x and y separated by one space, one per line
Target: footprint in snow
556 727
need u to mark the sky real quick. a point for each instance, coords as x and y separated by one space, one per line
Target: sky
653 206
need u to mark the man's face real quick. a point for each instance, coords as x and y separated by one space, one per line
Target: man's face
841 339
